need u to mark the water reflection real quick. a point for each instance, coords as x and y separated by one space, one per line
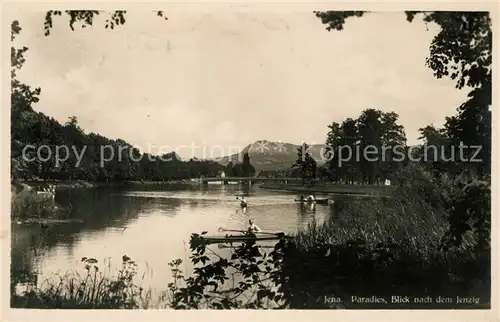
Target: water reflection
303 208
151 225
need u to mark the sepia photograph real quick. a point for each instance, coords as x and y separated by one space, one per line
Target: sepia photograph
246 157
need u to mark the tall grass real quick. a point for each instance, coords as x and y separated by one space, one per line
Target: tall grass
94 289
373 248
416 213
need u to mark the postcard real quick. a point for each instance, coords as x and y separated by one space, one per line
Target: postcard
278 161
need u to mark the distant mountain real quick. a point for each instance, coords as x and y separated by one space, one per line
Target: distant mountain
270 156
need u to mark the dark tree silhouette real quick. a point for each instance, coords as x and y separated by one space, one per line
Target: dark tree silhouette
228 169
462 51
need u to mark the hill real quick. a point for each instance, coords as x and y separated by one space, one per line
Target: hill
271 156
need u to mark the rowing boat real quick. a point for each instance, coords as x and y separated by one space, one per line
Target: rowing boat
318 201
236 239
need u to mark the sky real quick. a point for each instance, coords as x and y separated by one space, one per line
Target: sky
209 83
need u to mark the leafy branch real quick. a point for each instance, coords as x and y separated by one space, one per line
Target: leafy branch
86 18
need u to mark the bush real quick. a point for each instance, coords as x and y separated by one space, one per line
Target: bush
94 290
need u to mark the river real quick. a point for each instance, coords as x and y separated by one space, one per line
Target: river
150 225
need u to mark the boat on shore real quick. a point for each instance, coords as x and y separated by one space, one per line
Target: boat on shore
321 201
236 239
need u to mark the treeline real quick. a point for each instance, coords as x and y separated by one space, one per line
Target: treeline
431 239
463 143
90 156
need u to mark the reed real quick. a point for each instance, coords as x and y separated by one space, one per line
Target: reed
380 247
417 213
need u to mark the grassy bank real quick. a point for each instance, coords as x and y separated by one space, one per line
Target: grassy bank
332 189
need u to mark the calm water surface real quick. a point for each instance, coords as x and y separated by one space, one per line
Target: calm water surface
152 226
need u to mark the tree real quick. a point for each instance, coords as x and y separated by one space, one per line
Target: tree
22 98
228 169
436 146
29 127
305 163
393 136
461 51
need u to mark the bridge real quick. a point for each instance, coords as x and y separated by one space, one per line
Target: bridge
248 180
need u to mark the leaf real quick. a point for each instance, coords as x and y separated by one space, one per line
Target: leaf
261 294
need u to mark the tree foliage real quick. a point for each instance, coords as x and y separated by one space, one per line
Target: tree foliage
305 163
86 18
356 150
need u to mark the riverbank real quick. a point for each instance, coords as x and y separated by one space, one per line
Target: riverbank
372 248
354 190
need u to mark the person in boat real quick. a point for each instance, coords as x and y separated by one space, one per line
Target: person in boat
243 202
252 228
302 198
311 198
